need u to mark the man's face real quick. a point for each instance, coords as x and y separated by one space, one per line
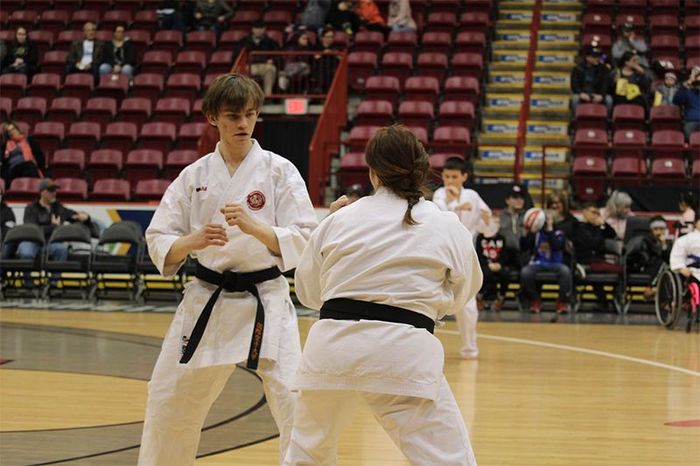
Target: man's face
591 215
258 32
515 203
21 35
89 31
48 195
236 128
658 232
454 178
328 39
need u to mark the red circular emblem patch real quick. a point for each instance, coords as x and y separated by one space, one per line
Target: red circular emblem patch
256 200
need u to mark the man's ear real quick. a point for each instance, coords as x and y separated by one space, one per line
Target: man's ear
212 120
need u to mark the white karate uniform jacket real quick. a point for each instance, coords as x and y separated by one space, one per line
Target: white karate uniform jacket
469 218
364 252
685 251
274 192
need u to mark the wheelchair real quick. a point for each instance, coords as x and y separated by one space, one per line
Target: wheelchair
675 296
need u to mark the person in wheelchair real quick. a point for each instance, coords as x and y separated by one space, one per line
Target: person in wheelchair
648 253
685 254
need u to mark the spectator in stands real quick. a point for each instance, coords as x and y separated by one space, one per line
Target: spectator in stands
493 258
21 55
511 223
297 68
21 155
120 55
629 42
688 98
170 15
686 205
665 91
368 11
87 54
558 204
590 80
546 248
314 15
647 254
617 210
342 17
212 15
631 83
400 19
325 62
261 66
7 216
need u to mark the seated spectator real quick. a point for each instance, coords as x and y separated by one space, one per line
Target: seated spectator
326 63
211 15
170 15
591 234
547 248
400 19
120 55
647 253
631 84
688 98
7 216
590 80
558 203
511 223
342 18
685 253
665 91
314 15
261 66
629 42
48 213
369 15
686 205
21 55
87 54
297 67
22 156
617 210
493 258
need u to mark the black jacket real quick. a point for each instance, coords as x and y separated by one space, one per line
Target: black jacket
266 44
39 215
598 81
111 55
27 51
589 241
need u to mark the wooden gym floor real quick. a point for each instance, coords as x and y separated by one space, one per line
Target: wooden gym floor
73 391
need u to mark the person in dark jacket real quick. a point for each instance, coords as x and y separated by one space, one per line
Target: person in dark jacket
326 62
493 258
591 233
631 84
511 224
314 15
86 54
120 55
590 80
647 253
21 155
21 55
688 98
342 17
261 66
211 15
558 203
7 217
297 68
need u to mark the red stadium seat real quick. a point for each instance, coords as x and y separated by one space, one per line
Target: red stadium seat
229 39
474 42
53 21
104 164
451 139
151 190
591 116
597 23
405 42
436 42
437 162
22 18
374 113
157 61
190 61
277 19
135 110
359 136
692 45
467 64
31 110
78 18
244 19
221 62
636 20
114 18
457 113
83 135
632 7
157 135
5 108
111 190
189 134
397 64
382 88
668 171
590 142
148 86
146 20
66 38
201 41
114 86
661 23
12 85
665 117
425 88
143 164
474 21
588 178
169 40
46 85
78 85
49 135
141 40
432 64
101 6
368 41
416 113
185 85
694 144
420 133
462 88
628 116
197 115
441 21
67 163
54 61
628 171
172 110
353 169
668 143
72 189
696 172
177 160
629 143
23 189
100 110
691 23
120 135
361 65
601 40
43 40
665 44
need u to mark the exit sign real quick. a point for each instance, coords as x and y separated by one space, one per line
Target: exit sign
296 106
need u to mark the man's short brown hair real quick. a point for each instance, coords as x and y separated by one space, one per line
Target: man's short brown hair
232 92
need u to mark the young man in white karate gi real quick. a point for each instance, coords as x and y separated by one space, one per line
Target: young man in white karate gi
475 215
245 214
382 270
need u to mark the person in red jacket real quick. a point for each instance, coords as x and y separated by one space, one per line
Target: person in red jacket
369 14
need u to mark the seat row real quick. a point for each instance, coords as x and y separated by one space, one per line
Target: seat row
108 189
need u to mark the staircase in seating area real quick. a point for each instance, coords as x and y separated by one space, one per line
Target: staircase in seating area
547 109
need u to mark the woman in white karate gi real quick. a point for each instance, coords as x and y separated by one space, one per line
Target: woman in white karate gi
383 270
245 214
475 215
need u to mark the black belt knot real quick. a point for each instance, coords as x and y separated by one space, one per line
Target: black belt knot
231 282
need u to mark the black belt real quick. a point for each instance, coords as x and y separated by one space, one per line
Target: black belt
349 309
231 282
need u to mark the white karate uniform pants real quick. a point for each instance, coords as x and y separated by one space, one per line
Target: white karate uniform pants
466 322
180 397
429 433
